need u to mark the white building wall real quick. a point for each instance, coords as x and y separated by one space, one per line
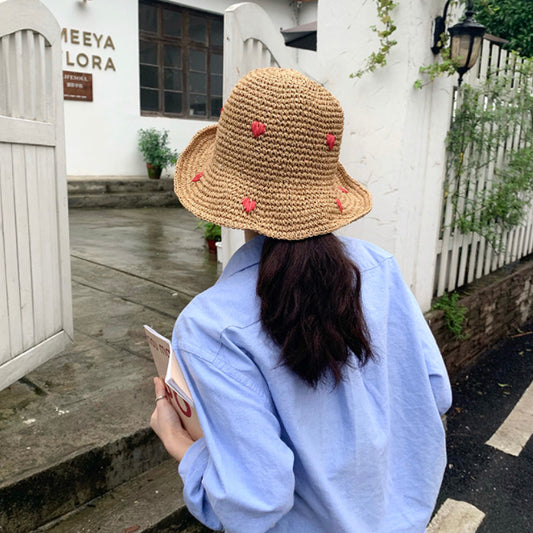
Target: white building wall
394 134
101 136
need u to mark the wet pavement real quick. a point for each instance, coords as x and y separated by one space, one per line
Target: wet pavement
129 268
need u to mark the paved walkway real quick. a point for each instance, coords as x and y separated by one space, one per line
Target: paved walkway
129 268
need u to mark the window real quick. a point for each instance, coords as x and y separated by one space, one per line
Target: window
180 59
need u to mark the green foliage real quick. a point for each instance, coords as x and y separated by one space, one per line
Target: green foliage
454 314
444 65
509 19
379 58
492 130
154 148
211 231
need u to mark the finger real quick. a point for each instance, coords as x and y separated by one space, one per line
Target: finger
159 387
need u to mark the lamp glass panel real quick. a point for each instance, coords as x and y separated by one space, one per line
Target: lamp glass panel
459 48
475 51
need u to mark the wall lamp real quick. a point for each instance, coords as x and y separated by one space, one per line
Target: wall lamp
466 37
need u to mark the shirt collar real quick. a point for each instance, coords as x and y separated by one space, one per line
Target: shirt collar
247 255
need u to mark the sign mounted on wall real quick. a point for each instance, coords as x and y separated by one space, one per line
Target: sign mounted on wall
77 86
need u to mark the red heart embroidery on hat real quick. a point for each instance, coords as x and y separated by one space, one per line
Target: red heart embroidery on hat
258 128
249 205
330 140
198 176
339 204
342 189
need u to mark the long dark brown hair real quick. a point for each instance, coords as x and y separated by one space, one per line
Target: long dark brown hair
310 293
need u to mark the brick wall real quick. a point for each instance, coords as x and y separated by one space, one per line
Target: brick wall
497 305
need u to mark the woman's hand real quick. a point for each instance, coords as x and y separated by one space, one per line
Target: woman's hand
167 424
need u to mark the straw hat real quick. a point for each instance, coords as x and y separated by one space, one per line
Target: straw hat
271 163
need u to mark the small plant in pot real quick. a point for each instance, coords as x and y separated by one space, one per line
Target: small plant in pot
212 234
154 148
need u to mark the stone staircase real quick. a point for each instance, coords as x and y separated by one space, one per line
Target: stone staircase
126 486
143 504
120 192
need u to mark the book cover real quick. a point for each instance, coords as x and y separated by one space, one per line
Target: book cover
176 387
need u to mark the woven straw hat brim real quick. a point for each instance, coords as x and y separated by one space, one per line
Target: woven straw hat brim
217 196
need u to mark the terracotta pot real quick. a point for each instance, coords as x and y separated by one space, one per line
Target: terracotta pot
212 245
154 171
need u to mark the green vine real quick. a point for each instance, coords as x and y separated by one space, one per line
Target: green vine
444 66
492 134
379 58
454 314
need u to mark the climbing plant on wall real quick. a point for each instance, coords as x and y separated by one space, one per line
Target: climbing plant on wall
489 171
385 30
384 33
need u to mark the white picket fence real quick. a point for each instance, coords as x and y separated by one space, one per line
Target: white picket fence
462 258
35 291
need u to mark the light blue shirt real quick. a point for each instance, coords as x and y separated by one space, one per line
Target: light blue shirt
277 455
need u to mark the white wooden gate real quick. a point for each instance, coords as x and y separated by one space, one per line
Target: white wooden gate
35 285
251 40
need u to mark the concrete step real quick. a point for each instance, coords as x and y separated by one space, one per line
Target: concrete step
123 201
121 192
151 502
39 497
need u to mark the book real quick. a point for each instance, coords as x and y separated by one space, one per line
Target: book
176 387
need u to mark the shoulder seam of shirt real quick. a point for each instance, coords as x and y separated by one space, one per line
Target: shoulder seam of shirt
242 269
220 364
377 265
196 350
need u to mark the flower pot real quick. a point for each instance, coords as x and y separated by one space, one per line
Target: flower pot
212 245
154 171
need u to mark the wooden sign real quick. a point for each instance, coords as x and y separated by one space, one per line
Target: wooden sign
77 86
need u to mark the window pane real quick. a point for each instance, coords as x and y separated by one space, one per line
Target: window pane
198 105
149 76
197 29
172 56
172 23
216 104
173 79
197 60
148 52
217 32
172 102
197 82
149 100
216 63
216 85
148 18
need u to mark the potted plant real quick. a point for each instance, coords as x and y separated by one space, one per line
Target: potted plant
154 148
212 234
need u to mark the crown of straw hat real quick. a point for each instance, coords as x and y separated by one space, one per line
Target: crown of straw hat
271 164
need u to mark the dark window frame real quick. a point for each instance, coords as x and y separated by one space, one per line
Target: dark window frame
185 44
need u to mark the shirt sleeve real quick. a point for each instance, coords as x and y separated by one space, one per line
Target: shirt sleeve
438 376
239 476
436 369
